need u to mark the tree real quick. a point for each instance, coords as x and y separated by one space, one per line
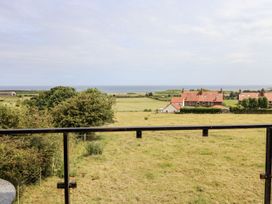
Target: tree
245 103
51 98
8 118
262 92
89 108
263 102
149 94
233 95
253 103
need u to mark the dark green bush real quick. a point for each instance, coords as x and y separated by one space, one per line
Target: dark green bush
89 108
199 110
51 98
238 110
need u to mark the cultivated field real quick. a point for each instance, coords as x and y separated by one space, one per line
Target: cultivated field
166 167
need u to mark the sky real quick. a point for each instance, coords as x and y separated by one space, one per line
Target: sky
135 42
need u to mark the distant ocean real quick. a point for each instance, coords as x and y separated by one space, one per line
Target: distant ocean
137 89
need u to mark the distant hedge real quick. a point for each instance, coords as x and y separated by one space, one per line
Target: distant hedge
238 110
200 110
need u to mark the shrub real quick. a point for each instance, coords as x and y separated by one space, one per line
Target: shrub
238 110
89 108
32 117
199 110
94 148
51 98
8 118
147 110
23 160
19 165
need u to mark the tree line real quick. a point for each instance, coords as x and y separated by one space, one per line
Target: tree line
253 103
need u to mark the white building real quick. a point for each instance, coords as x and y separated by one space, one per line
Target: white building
171 108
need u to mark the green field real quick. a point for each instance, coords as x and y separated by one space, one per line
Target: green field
138 104
231 103
166 167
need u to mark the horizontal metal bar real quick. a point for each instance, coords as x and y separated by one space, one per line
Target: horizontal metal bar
126 129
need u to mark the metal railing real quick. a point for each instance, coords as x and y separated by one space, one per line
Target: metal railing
66 185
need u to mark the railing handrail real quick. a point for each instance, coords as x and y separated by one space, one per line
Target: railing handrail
138 129
130 128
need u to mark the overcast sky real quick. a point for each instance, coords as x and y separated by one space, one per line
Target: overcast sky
136 42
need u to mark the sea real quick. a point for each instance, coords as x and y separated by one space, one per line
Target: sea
143 88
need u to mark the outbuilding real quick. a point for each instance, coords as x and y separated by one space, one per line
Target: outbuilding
171 108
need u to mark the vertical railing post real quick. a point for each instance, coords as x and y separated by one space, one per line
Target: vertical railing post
66 167
138 134
267 193
205 132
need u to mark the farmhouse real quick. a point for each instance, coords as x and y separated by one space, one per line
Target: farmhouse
193 98
256 95
268 95
7 93
207 99
246 95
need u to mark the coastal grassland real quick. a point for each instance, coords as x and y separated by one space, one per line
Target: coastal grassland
167 167
138 104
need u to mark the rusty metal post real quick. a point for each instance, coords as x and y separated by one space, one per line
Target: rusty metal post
66 167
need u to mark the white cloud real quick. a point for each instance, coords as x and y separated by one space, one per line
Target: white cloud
142 35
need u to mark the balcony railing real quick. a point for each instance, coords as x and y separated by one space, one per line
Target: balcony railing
66 185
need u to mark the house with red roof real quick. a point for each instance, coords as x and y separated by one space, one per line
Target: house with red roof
201 98
268 95
171 108
195 98
256 95
247 95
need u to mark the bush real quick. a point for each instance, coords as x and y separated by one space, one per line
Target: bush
90 108
94 148
19 165
238 110
147 110
8 118
32 117
51 98
24 160
199 110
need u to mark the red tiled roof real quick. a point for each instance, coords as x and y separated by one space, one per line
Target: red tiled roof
204 97
176 100
246 95
268 95
176 105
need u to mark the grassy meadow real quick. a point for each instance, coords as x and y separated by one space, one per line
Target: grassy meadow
137 104
165 167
